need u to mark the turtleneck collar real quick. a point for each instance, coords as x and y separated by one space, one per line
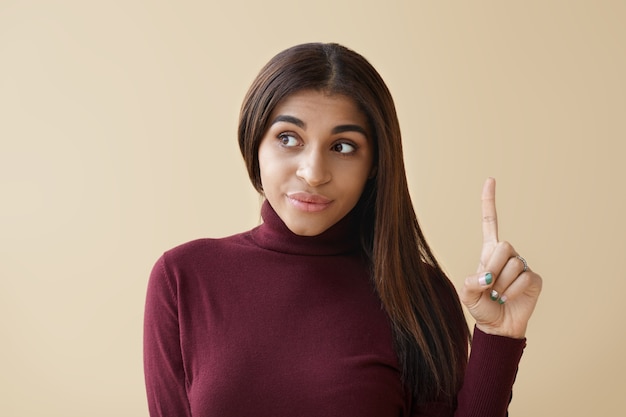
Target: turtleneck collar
273 234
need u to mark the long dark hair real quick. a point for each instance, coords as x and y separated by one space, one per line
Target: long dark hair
430 332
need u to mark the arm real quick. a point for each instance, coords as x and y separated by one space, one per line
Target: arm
501 297
489 375
488 379
163 364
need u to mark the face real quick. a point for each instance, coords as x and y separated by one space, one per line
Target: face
315 159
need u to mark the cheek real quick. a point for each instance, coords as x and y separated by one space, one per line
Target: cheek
270 173
264 165
357 178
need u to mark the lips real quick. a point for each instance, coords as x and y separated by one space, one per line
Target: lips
309 202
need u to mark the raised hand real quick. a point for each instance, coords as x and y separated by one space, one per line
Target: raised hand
502 295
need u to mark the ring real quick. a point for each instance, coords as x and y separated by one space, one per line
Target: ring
524 262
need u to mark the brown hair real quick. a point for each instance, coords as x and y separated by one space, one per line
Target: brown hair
430 333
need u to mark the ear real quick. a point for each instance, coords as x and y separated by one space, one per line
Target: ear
373 172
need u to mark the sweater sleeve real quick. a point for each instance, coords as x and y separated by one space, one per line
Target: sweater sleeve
163 363
488 381
489 377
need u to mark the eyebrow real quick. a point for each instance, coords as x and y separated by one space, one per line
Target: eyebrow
349 128
336 129
290 119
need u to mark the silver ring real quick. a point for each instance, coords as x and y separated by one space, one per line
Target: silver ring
524 262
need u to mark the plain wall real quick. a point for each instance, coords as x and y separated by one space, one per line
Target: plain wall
118 141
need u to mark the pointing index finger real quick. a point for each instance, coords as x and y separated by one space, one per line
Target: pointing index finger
490 218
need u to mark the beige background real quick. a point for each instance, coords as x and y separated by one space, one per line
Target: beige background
117 129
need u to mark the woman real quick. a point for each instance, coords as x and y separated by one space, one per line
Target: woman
335 305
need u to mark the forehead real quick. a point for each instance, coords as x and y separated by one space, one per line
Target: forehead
318 104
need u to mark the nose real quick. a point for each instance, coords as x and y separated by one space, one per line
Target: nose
313 168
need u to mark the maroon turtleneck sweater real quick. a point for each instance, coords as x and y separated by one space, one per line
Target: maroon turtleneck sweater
268 323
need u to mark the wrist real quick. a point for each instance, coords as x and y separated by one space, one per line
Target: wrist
498 331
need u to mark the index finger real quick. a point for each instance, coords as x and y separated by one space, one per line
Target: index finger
490 218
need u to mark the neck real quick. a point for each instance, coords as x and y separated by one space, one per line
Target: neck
273 234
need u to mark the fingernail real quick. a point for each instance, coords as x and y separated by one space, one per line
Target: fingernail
502 299
485 279
494 295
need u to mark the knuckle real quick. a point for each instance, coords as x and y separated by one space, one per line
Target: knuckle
469 282
506 246
524 279
490 219
530 280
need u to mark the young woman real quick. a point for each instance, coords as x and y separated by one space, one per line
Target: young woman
334 305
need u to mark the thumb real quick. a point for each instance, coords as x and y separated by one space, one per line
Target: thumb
474 288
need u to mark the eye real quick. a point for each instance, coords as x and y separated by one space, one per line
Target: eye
287 140
344 148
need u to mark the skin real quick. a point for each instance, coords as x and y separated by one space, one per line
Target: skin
315 159
518 290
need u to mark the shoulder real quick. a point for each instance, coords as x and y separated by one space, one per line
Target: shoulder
200 263
206 247
206 255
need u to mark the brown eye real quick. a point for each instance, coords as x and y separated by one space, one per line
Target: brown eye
287 140
344 148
